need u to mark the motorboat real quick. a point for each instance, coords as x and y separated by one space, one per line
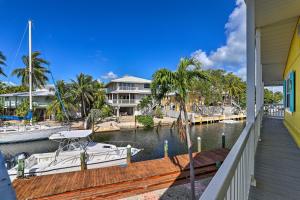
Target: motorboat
67 157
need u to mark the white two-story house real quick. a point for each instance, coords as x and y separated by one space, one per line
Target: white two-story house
124 94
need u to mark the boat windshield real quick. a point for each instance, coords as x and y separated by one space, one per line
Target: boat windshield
72 145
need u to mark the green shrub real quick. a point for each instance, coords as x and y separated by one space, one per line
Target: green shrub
146 120
158 113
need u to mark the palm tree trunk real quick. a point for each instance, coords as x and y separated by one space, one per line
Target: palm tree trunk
190 151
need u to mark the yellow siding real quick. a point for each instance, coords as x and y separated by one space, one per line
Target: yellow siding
292 120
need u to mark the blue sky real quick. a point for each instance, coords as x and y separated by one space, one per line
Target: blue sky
123 37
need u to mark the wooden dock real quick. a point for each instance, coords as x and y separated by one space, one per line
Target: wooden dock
217 118
119 182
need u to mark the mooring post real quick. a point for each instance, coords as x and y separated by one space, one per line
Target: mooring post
128 154
223 140
166 148
199 143
83 160
21 166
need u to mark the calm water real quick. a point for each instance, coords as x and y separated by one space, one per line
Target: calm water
151 141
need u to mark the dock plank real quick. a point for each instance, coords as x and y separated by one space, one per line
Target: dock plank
119 181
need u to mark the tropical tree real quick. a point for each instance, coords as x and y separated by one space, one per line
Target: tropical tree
179 82
55 107
99 95
82 90
39 71
233 86
2 62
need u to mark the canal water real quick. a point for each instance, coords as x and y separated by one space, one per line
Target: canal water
151 140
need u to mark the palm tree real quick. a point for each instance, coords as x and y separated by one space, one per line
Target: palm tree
56 108
2 62
39 71
82 90
179 82
233 86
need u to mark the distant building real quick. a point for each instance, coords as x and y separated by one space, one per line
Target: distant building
124 94
41 98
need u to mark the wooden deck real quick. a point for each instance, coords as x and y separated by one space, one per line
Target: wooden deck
277 164
119 182
212 119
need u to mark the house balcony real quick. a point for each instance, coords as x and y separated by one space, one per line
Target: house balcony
263 163
128 89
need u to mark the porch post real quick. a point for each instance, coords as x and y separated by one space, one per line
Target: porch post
258 72
251 82
250 61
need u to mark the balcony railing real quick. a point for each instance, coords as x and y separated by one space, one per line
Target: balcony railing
233 179
127 88
274 110
123 101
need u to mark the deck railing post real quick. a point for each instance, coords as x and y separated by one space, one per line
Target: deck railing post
21 166
128 154
166 147
223 140
199 143
83 165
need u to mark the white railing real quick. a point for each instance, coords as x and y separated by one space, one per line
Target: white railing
124 101
274 110
233 179
127 88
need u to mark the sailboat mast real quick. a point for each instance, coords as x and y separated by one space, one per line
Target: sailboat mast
30 67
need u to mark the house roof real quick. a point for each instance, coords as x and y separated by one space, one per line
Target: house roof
130 79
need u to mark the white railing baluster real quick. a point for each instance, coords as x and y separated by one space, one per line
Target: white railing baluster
233 179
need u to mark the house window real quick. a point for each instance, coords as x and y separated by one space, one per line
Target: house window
146 85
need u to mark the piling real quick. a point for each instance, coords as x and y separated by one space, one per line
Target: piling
83 165
128 154
166 148
173 124
21 166
223 140
199 143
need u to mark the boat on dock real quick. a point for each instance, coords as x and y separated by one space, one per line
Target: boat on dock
67 157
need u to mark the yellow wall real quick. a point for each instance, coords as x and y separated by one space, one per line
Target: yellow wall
189 104
292 120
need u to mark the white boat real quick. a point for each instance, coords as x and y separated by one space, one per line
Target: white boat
229 121
14 134
67 157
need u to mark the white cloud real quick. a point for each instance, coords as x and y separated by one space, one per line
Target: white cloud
232 55
109 75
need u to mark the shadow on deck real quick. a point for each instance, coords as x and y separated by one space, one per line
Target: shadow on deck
277 164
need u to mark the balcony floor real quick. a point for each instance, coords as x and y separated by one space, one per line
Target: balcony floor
277 164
